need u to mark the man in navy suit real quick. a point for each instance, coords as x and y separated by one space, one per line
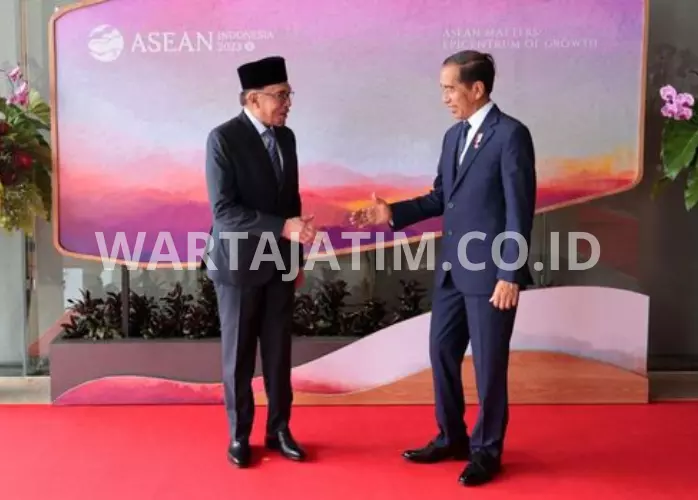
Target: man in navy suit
485 189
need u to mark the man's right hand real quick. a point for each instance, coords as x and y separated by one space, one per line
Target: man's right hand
300 229
378 213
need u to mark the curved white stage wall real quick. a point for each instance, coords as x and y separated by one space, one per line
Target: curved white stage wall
571 344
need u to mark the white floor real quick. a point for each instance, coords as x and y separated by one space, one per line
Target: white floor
24 390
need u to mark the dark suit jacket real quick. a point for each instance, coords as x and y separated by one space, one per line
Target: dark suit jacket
246 198
494 191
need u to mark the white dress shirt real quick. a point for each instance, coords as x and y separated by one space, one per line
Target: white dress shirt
475 122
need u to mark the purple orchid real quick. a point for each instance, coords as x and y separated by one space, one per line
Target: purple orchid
15 74
678 106
20 88
20 95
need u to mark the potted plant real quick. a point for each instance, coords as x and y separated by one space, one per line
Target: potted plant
679 152
178 336
25 156
174 337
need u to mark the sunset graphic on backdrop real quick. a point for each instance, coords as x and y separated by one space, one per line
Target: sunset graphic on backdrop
137 93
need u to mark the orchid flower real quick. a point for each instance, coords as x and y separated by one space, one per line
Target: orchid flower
678 106
20 88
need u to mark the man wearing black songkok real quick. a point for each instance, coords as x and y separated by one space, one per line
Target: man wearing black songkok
252 182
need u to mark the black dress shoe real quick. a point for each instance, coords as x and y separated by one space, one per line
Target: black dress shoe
433 453
239 453
283 442
482 469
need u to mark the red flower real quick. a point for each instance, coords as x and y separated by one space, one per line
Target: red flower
23 160
4 128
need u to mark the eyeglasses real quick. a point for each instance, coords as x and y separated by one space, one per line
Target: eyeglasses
280 96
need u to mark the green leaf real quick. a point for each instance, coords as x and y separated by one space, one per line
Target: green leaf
42 180
38 107
34 97
42 141
679 146
659 186
22 138
11 113
42 112
38 123
690 193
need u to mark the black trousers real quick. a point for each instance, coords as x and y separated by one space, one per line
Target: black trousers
249 314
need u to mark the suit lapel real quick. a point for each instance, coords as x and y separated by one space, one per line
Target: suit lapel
451 148
480 140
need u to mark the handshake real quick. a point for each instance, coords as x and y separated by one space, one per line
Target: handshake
375 214
302 229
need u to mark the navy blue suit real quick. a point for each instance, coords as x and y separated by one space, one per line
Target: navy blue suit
491 192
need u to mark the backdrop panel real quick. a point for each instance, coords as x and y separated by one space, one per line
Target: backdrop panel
139 83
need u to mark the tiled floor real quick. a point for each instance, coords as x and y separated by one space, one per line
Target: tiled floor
673 386
24 390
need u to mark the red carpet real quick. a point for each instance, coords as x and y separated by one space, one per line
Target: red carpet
173 453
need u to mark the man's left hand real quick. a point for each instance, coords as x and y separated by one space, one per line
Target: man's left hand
505 296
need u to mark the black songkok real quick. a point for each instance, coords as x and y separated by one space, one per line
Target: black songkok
258 74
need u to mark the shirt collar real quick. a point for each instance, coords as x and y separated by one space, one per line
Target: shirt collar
261 128
479 116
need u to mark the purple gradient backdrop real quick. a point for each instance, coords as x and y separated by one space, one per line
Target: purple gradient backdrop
131 131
